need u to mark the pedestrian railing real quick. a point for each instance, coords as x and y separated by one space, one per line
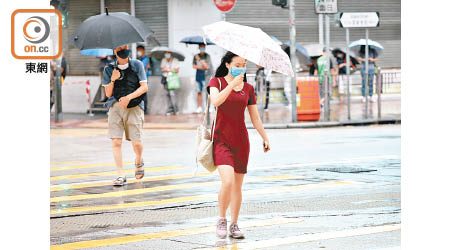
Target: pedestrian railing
384 82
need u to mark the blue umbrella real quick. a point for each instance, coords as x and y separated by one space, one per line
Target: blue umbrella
298 47
196 40
276 40
356 45
97 52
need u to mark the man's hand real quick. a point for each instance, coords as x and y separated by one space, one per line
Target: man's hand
123 101
115 75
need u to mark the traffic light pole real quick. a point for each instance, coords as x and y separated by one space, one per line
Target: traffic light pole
293 59
347 71
57 88
326 80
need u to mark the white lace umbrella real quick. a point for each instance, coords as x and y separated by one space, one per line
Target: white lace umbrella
250 43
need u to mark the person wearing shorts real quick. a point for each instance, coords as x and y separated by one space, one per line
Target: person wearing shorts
231 95
202 63
125 83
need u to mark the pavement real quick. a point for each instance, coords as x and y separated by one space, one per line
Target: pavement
327 188
278 116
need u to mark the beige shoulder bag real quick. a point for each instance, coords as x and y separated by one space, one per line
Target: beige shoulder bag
205 141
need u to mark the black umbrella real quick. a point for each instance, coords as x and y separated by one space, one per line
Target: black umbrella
352 56
109 31
196 40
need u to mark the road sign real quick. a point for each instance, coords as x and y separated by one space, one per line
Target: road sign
225 5
360 19
326 6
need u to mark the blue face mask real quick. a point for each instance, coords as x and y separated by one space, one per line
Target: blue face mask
237 71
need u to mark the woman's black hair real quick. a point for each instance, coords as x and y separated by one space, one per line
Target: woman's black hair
222 70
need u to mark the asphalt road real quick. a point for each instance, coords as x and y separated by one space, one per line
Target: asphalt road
328 188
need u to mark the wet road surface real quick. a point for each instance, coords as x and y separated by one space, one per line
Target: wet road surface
287 202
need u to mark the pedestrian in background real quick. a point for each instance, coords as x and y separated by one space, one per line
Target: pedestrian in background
312 66
103 62
342 75
202 63
231 95
267 74
125 84
169 64
320 71
373 58
146 61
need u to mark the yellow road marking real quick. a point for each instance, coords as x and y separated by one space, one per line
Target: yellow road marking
61 187
65 162
76 132
108 164
307 238
272 190
168 234
162 188
129 171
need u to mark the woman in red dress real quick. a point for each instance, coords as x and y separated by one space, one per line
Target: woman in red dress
231 145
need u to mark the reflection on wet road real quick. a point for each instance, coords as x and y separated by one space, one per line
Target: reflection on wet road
316 188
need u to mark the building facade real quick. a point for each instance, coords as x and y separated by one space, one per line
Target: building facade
171 20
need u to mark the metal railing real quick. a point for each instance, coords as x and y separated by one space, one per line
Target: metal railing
384 82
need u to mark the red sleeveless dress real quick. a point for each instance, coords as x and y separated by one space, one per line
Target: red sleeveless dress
231 144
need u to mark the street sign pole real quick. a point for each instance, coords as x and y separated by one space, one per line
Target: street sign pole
321 29
361 20
347 71
327 69
326 7
293 60
366 82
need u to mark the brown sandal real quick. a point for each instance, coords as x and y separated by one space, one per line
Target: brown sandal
139 172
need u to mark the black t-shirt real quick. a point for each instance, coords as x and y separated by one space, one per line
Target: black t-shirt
343 70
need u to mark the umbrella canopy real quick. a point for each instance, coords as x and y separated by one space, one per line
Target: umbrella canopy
250 43
109 31
314 50
276 40
351 54
97 52
196 40
356 45
158 52
302 53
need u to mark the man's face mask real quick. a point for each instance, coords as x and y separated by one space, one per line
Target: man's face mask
139 53
167 55
123 53
202 49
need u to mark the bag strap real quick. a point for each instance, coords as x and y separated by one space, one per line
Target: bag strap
217 110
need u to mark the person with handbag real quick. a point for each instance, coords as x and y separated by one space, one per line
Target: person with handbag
125 83
170 68
231 95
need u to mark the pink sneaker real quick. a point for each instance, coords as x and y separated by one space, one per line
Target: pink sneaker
235 232
221 229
